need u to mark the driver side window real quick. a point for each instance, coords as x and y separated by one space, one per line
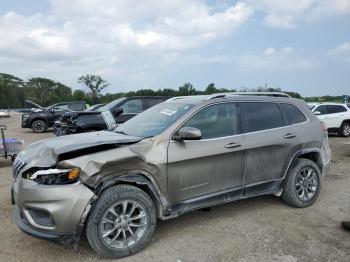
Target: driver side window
132 107
322 109
60 109
216 121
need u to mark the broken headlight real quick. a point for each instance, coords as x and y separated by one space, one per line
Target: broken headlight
56 176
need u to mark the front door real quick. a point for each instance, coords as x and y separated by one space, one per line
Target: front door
210 165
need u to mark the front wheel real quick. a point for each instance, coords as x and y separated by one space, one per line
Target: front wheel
345 129
122 222
303 184
39 126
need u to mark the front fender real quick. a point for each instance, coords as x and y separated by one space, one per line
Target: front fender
139 178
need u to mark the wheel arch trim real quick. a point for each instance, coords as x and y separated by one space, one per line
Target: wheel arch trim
141 179
299 153
36 119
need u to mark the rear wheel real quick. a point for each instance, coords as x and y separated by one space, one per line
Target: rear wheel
303 184
122 222
345 129
39 126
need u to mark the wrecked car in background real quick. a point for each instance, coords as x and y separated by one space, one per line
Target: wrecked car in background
181 155
106 117
41 118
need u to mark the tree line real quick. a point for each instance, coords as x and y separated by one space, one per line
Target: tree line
43 91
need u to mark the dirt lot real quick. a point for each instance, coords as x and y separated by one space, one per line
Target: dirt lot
259 229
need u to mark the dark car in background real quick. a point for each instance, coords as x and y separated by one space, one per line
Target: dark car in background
106 117
42 118
95 107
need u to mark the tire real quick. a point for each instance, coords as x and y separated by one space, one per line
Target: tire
293 192
39 126
345 129
113 199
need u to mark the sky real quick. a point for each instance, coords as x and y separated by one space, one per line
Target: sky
295 45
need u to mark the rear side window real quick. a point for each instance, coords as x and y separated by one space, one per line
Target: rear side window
216 121
261 116
333 109
293 114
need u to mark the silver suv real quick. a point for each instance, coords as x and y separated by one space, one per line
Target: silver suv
181 155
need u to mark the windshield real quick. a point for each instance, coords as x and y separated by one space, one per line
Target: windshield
311 107
110 105
153 121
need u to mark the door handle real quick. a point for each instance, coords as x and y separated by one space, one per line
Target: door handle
232 145
289 135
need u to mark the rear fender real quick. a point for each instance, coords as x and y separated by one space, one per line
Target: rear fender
303 152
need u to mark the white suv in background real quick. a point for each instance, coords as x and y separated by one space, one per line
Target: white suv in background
335 116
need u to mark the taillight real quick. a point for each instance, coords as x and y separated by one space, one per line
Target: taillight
324 126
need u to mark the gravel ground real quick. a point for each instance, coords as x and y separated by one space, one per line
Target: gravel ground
258 229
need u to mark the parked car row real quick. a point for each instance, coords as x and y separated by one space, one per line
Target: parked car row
73 117
336 116
177 156
106 117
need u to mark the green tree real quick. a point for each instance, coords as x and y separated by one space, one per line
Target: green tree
187 89
211 89
95 84
11 91
78 95
46 91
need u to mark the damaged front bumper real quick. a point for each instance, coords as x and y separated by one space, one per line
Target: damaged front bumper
23 224
50 212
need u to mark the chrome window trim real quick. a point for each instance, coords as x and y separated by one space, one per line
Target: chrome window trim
247 133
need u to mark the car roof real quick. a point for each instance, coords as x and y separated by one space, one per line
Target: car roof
326 103
198 99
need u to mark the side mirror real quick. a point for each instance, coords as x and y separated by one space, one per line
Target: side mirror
188 133
52 111
317 113
118 111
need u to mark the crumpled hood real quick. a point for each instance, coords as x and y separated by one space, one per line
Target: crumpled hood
46 153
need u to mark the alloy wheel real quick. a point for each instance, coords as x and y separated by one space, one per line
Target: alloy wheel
123 224
346 130
306 184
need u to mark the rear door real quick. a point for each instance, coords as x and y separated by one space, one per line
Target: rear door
269 143
210 165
